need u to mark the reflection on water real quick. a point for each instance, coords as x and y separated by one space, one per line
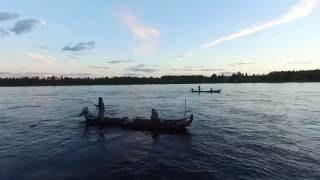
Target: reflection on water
249 131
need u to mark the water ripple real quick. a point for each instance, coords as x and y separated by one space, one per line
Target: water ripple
249 131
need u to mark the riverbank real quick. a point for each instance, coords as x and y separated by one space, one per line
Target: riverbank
273 77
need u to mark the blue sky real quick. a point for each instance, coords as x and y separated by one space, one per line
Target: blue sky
153 38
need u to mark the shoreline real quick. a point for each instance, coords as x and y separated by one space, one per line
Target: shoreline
140 84
307 76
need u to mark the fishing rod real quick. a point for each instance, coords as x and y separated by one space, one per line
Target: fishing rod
185 107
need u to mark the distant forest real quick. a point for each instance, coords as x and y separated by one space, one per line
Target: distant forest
272 77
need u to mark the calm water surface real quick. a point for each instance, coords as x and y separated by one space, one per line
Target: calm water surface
249 131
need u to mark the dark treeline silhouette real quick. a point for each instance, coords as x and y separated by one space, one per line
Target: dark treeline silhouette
273 77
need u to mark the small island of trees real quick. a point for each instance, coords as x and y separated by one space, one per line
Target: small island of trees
272 77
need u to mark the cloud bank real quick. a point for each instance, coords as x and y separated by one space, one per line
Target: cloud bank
98 67
19 27
304 8
147 36
5 16
119 61
142 68
80 46
24 26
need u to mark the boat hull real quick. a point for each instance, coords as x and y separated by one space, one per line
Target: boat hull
215 91
140 123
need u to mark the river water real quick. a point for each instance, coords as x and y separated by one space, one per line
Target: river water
249 131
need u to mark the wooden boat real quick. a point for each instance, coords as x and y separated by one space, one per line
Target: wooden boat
137 123
210 91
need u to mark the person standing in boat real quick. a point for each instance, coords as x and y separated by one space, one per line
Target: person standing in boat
154 116
199 88
101 108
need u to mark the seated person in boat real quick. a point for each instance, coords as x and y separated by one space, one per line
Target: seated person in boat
101 108
154 116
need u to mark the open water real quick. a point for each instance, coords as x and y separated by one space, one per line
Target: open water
249 131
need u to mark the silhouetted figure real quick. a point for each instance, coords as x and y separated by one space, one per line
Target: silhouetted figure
101 108
154 116
192 90
211 90
199 88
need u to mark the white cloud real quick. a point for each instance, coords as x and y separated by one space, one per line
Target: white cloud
42 58
147 36
304 8
300 10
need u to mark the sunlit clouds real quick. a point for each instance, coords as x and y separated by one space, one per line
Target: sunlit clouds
42 58
146 36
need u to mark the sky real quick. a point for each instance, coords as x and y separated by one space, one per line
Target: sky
154 38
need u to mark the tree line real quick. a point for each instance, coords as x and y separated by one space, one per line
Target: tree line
272 77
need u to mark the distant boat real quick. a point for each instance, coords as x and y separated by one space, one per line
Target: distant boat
210 91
